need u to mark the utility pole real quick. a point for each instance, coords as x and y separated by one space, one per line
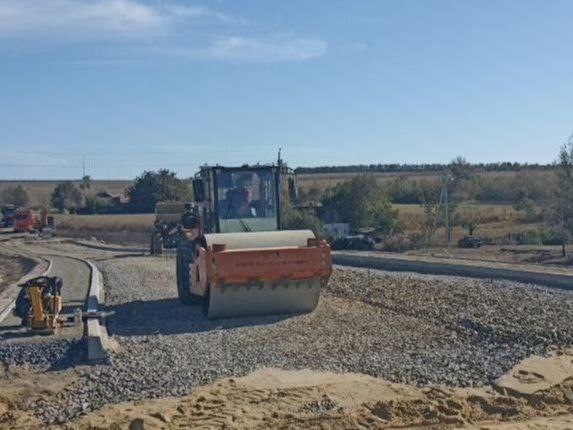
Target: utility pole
444 200
448 235
83 166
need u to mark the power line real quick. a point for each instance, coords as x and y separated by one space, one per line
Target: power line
192 151
99 166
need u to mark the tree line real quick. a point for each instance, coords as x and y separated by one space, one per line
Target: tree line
506 166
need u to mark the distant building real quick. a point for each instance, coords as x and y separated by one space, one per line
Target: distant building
108 204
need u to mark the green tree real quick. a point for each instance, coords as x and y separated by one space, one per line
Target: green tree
94 204
15 195
153 187
65 196
361 202
294 219
561 208
523 202
460 169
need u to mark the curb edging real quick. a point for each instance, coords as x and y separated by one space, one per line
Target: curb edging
563 282
97 337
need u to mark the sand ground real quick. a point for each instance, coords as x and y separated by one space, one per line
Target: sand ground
535 394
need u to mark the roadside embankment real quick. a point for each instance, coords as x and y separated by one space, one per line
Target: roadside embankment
553 277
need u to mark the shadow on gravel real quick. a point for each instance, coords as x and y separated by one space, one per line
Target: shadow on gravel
170 316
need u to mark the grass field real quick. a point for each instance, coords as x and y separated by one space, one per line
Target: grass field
39 192
122 229
492 221
412 215
322 181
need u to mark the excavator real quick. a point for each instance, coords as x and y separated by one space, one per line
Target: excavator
234 259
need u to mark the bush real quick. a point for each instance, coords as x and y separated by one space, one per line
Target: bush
549 236
15 196
66 195
297 220
94 204
360 202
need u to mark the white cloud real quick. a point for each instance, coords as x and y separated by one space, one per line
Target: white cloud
203 12
97 19
266 49
137 29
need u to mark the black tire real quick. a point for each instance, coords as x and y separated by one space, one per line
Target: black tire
185 252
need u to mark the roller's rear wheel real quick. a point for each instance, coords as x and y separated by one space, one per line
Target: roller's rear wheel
184 261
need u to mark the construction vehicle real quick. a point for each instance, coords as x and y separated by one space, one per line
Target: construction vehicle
8 213
41 305
232 256
23 220
28 220
166 226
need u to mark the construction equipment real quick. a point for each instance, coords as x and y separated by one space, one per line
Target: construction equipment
28 220
166 231
231 256
41 305
23 220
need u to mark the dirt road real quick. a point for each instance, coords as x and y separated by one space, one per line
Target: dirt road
12 268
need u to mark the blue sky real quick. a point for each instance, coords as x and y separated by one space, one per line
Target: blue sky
142 84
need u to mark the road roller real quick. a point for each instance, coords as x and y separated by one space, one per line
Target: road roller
234 259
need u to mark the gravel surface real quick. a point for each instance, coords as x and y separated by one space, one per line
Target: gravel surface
43 356
411 328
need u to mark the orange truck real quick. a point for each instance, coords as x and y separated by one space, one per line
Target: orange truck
27 220
24 220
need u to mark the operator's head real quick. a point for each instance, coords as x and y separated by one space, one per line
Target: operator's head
244 181
187 206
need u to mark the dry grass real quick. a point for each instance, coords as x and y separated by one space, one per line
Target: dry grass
323 181
39 192
493 220
120 229
110 223
412 216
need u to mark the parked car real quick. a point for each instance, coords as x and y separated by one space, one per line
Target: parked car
470 242
359 242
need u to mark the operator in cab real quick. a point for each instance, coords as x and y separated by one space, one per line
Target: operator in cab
239 198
